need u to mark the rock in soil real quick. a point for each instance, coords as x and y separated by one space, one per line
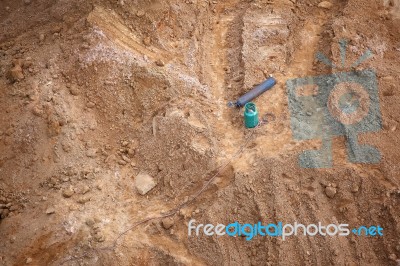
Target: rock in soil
68 192
325 4
167 223
50 210
330 192
144 183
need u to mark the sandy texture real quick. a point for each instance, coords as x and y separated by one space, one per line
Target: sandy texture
94 93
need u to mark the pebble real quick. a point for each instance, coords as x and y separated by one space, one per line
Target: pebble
131 152
41 37
90 222
74 90
50 210
125 143
37 111
325 4
167 223
355 188
84 189
126 159
68 192
73 208
90 105
28 260
140 13
330 192
144 183
83 199
160 63
122 162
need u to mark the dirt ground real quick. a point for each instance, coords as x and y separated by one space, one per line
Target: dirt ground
94 93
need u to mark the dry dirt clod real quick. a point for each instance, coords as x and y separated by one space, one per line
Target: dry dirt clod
160 63
330 192
144 183
41 37
388 78
83 189
90 105
74 90
131 152
124 143
27 63
122 162
146 41
66 146
354 188
90 222
140 13
103 55
50 210
68 192
16 73
325 4
389 92
99 237
37 111
91 153
83 199
238 78
167 223
126 159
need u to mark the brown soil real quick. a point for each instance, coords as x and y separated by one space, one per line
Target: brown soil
95 92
